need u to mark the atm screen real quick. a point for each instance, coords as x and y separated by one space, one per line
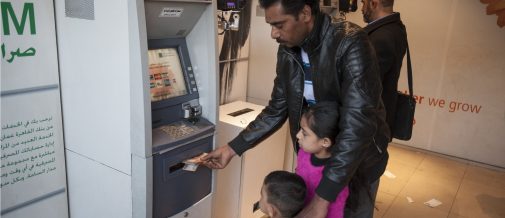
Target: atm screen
166 74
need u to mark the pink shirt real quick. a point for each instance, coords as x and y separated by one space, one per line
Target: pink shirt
312 176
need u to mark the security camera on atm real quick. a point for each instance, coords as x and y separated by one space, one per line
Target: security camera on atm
227 5
338 8
229 16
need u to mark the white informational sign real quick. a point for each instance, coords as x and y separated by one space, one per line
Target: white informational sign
32 158
33 180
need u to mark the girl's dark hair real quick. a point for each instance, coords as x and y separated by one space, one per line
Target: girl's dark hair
323 119
292 7
285 191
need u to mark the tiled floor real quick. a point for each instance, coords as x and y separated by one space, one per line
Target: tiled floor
466 190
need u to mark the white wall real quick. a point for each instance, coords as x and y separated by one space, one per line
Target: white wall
95 84
457 53
96 190
233 83
262 59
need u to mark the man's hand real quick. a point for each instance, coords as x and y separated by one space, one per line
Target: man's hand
496 7
317 208
219 158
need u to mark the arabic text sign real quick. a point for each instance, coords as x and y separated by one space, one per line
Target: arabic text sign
33 180
28 150
10 18
31 141
17 53
28 49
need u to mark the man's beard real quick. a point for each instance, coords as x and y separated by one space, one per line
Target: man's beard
367 15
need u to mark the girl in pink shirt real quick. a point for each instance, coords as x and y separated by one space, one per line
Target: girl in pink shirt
319 127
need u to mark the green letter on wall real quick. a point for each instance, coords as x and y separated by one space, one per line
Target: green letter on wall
27 12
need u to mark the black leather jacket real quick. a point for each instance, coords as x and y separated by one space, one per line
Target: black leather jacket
389 38
344 70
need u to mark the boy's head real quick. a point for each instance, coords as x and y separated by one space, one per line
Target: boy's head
282 194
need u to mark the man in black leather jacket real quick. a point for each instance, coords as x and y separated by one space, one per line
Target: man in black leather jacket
389 37
344 69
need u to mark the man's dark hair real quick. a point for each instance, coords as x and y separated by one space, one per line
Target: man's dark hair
387 3
292 7
285 191
323 119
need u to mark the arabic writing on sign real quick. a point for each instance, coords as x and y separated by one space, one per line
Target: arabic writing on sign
17 53
28 150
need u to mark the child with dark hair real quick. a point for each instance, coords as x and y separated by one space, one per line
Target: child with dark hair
282 195
319 127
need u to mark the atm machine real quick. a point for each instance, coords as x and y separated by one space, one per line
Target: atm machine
149 87
180 130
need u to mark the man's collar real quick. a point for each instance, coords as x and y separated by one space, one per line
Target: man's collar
380 18
313 40
394 17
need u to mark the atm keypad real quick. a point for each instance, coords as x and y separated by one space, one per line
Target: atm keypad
177 131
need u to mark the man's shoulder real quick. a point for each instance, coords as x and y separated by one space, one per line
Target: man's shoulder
389 24
388 31
343 31
347 27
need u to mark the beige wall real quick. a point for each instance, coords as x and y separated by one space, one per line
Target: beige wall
262 59
458 55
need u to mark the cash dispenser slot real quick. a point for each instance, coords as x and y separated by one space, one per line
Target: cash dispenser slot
175 188
176 167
